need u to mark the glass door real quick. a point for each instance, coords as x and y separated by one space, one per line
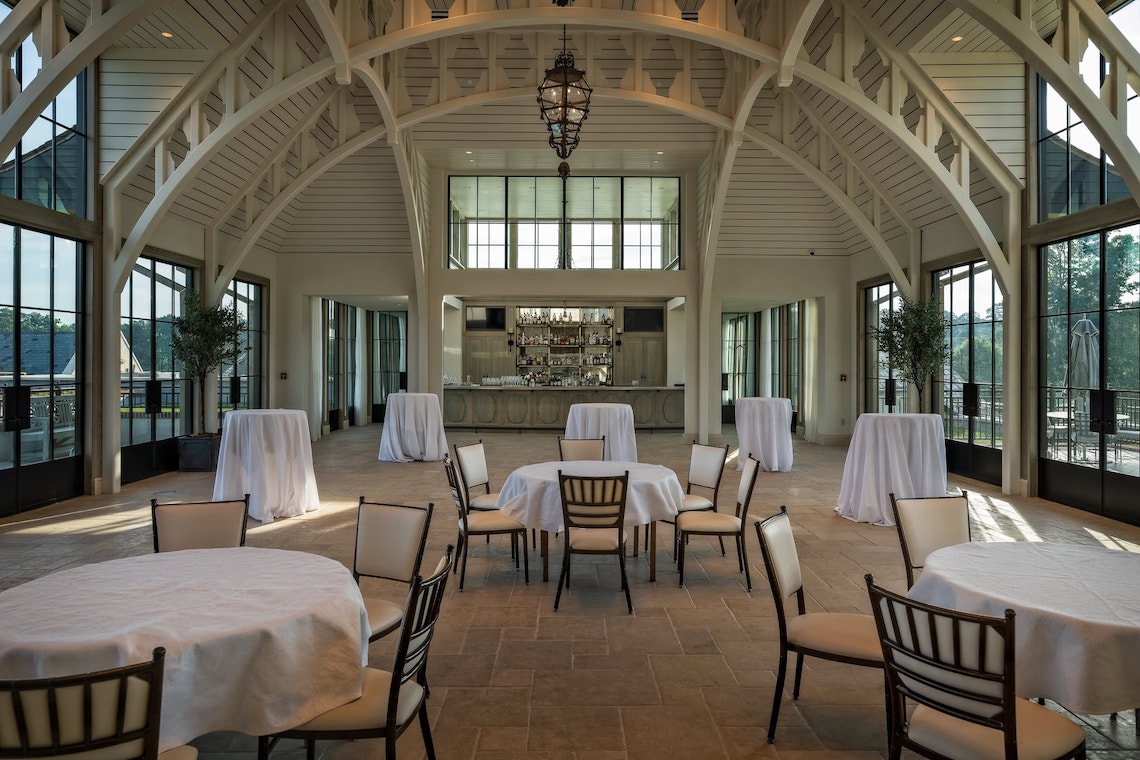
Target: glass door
1089 420
41 364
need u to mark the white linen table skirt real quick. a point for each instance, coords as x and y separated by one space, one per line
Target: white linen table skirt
1077 628
614 421
904 454
764 430
413 428
267 454
257 640
530 494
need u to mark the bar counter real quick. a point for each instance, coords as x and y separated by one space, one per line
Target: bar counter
547 406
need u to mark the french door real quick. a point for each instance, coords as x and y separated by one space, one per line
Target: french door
1089 417
41 369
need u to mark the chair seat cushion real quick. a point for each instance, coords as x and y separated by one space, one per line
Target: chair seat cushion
709 522
595 539
484 501
371 709
491 522
383 616
840 633
695 501
1041 734
182 752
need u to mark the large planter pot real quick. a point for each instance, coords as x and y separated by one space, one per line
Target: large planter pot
198 453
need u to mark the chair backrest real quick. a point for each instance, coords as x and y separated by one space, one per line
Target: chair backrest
782 563
929 523
199 524
954 662
706 466
744 490
593 502
471 461
457 494
581 449
106 715
422 610
390 540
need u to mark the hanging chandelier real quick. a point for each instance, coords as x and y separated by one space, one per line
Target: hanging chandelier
564 100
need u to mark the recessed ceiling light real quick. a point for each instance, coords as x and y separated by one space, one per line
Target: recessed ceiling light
956 38
167 35
467 152
661 153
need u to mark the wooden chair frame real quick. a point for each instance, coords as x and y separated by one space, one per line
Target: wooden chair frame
408 667
53 702
206 510
581 449
469 524
399 532
944 511
471 464
743 500
785 579
956 664
595 504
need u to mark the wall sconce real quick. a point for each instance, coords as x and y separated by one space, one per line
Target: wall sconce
511 342
618 341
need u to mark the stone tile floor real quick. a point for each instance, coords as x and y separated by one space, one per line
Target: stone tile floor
689 675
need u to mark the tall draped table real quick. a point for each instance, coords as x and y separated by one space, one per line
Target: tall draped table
257 640
267 454
614 421
530 495
904 454
1077 625
764 430
413 428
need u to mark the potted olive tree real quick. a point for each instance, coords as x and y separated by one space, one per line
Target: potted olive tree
914 339
203 338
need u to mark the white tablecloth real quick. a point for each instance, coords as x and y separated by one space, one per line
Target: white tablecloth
257 640
1078 614
267 454
764 430
530 494
413 428
900 453
614 421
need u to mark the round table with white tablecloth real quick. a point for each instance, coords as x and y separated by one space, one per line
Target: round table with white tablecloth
1077 623
531 495
257 640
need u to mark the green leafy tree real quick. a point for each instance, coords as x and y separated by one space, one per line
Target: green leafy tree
914 339
203 338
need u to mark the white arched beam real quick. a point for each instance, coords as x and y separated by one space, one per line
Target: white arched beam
198 157
284 198
801 16
332 23
102 32
1105 120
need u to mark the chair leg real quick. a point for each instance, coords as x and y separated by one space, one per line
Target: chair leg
723 553
263 748
526 557
458 551
563 576
515 547
625 582
781 673
679 546
799 675
310 749
390 745
425 725
742 550
463 571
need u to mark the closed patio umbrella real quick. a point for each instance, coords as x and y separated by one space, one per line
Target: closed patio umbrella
1084 361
